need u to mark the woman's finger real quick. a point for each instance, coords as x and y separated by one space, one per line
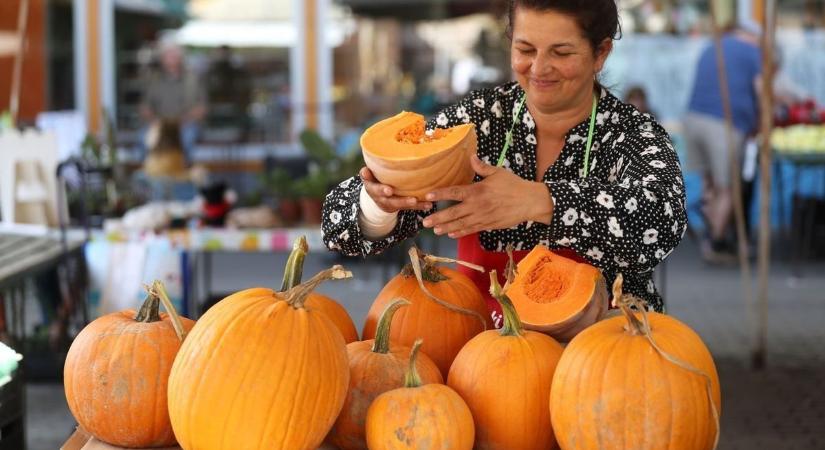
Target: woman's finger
437 220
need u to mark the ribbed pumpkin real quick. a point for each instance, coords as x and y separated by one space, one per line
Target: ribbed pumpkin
456 314
116 373
615 390
292 277
505 377
260 371
376 366
416 416
556 295
400 154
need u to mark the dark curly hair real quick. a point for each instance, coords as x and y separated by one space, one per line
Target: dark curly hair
598 19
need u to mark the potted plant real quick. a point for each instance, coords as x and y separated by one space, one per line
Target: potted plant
311 191
279 183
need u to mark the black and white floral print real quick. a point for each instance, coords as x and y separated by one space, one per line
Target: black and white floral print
626 216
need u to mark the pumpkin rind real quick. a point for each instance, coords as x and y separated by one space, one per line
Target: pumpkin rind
444 332
419 416
115 378
556 295
613 391
413 169
505 377
374 371
258 372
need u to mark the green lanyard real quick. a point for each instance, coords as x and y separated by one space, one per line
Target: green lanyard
508 140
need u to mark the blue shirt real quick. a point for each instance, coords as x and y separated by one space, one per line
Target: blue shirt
743 63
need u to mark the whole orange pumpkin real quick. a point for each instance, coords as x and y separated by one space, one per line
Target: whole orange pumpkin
376 366
643 381
418 416
116 373
505 377
292 277
446 320
260 371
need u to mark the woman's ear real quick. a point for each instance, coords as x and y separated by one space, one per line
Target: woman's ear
602 53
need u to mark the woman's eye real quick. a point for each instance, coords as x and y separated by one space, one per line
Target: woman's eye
562 54
526 51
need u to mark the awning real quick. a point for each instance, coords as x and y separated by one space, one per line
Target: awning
251 34
421 9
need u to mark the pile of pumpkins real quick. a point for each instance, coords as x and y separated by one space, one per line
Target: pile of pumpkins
265 369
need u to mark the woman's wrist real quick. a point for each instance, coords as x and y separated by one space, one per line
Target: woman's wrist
540 203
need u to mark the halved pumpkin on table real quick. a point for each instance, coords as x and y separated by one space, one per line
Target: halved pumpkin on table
557 295
400 153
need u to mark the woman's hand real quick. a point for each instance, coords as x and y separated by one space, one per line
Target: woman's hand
383 196
500 200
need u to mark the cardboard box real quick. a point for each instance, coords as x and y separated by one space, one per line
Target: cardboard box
81 440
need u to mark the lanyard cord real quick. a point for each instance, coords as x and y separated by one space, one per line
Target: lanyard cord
508 140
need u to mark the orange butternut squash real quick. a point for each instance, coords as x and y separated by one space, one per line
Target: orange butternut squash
556 295
401 154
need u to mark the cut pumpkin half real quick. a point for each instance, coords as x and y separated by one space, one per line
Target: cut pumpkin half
401 154
556 295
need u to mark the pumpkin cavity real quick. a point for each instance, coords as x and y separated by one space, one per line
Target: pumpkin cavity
417 134
544 283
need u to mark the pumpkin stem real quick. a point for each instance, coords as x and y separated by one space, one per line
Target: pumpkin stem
159 291
512 324
381 344
295 264
625 303
148 311
298 295
415 260
510 268
411 379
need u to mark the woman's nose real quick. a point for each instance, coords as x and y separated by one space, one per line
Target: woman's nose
542 66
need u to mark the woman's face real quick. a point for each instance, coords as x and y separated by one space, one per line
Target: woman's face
553 60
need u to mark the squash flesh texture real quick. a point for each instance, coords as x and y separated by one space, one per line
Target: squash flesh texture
409 142
551 288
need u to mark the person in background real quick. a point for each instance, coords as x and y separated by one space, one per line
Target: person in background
637 97
175 95
585 174
705 132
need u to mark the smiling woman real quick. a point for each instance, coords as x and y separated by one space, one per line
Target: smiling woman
560 161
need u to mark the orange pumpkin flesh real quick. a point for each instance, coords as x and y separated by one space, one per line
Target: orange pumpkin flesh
116 373
418 416
332 309
400 154
260 371
556 295
505 377
444 331
376 366
612 390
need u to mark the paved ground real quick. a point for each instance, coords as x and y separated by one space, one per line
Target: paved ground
781 407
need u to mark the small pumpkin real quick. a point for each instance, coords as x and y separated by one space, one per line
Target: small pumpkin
505 377
556 295
376 366
260 370
401 154
292 277
116 373
643 381
418 416
446 309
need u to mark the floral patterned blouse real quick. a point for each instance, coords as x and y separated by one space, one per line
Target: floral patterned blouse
626 216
